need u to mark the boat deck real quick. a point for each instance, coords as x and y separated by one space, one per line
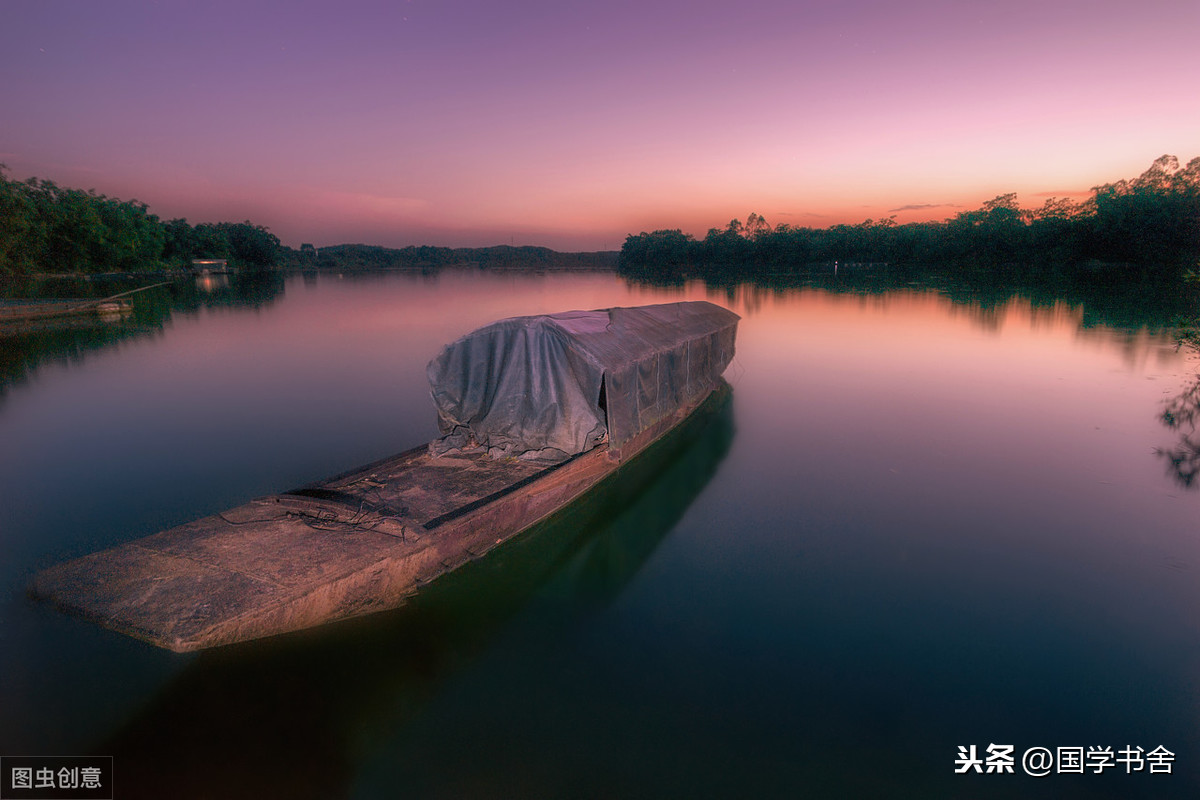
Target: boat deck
358 543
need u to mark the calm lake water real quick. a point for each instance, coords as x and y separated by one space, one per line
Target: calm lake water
927 519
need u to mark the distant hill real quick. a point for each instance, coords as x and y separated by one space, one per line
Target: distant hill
358 257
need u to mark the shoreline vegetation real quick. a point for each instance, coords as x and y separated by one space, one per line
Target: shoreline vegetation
50 231
369 258
1146 226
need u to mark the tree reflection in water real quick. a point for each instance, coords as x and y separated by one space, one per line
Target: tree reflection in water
27 347
1181 413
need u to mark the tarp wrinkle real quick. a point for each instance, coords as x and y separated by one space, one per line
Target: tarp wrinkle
529 387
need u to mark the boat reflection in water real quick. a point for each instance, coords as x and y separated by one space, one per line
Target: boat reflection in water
294 716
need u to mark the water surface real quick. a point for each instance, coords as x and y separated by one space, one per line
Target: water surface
924 520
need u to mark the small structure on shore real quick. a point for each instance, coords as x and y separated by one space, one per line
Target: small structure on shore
210 266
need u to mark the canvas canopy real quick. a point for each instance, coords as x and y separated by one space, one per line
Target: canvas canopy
548 387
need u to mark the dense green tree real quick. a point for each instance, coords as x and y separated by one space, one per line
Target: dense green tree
1154 218
1151 222
250 244
669 251
48 228
16 217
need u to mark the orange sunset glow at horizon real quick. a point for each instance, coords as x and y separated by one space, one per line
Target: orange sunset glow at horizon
472 124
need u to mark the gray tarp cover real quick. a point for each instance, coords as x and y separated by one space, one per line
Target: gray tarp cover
531 386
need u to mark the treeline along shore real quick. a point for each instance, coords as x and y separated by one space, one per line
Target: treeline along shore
1148 224
363 257
49 229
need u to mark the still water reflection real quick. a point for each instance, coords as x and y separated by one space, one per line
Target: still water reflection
942 521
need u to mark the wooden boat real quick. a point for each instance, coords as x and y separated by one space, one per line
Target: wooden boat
21 316
17 311
535 411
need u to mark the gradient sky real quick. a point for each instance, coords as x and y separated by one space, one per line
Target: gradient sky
571 124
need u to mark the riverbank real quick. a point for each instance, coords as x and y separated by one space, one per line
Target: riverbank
501 258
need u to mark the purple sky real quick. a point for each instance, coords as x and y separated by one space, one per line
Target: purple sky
572 124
